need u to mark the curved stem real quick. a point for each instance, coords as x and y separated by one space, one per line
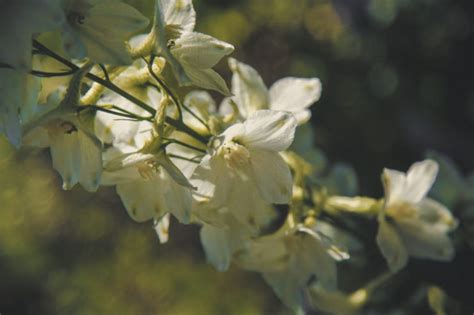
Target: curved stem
43 74
184 145
164 86
95 78
182 158
173 97
179 125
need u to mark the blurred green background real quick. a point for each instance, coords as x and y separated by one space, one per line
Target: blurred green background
397 80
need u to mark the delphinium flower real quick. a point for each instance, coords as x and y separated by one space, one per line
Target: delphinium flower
246 155
21 21
290 259
148 181
67 129
19 96
190 54
411 224
290 94
99 30
239 179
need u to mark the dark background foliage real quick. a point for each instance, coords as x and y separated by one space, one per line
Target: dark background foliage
397 81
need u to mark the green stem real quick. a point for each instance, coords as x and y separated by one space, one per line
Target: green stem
182 158
105 110
164 87
173 97
175 123
185 145
43 74
95 78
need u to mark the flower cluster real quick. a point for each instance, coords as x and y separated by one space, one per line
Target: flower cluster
108 92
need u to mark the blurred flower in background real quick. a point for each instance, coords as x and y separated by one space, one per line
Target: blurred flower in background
397 80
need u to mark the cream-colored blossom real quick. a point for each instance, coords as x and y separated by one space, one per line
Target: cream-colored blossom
190 54
246 155
99 30
412 224
289 259
67 129
290 94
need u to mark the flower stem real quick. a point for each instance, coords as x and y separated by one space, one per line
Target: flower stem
179 125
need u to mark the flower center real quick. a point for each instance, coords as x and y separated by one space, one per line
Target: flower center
235 155
402 210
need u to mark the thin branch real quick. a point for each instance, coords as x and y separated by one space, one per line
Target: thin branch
173 97
173 122
104 70
43 74
184 145
183 158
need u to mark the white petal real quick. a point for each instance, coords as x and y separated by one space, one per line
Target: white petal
90 161
248 207
180 13
143 199
288 290
424 241
250 91
202 101
207 79
391 246
37 138
177 198
173 170
162 228
272 176
267 254
419 179
200 50
127 160
295 95
313 258
66 156
269 130
216 246
122 176
437 215
107 50
160 40
394 186
106 27
112 129
19 94
212 180
302 116
10 126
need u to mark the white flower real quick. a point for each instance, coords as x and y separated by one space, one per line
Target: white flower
75 150
289 259
99 29
223 234
412 224
149 183
291 94
18 99
156 193
246 156
68 131
190 54
198 53
113 129
19 21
